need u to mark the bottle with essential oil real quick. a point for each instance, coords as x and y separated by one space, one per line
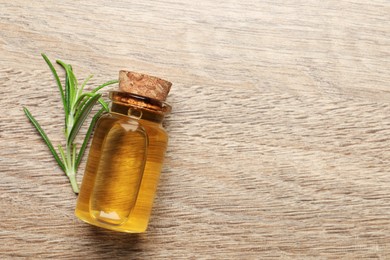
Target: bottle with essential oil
126 156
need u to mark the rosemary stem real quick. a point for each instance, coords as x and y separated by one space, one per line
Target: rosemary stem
73 181
70 150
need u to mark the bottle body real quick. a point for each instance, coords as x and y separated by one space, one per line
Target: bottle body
122 170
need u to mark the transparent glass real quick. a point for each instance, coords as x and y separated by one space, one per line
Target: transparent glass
124 164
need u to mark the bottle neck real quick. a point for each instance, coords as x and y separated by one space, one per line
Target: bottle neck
138 107
136 112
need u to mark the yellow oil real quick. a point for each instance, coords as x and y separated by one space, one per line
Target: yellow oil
122 172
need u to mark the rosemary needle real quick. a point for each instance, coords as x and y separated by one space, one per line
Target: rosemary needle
77 107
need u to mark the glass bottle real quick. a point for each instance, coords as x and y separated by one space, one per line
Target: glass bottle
126 156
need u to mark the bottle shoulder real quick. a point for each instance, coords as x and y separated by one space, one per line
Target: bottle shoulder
152 128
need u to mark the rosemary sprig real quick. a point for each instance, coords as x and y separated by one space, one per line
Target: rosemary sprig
77 107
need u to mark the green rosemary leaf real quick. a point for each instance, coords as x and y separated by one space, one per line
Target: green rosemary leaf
70 85
67 98
81 100
53 70
104 85
44 137
74 85
88 136
80 91
81 105
104 104
62 153
84 112
82 97
74 156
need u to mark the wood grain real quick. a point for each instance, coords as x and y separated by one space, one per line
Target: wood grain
279 136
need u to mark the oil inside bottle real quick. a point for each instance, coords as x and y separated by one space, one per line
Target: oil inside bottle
120 169
122 172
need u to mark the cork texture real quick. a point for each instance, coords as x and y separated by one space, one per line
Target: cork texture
121 97
144 85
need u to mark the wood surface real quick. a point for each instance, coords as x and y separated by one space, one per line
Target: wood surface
279 135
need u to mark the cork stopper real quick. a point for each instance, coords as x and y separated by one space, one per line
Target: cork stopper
144 85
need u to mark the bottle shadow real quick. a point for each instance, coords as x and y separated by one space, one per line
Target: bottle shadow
109 243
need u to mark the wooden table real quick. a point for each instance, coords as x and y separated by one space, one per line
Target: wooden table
279 135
